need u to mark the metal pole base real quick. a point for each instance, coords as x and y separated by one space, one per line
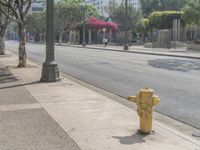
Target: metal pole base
50 72
126 47
145 133
84 44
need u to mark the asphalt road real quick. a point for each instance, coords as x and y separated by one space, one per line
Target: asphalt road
175 80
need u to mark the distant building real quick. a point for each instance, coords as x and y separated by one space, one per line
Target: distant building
39 6
43 2
36 7
135 3
101 5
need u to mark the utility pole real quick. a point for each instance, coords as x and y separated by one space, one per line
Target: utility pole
126 46
84 22
50 72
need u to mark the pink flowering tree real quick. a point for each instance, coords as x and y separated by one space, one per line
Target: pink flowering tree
99 24
95 25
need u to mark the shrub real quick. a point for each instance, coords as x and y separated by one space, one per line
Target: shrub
164 19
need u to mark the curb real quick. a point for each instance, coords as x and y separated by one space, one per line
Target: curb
139 52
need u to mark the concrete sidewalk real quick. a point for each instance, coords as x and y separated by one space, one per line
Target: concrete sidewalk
177 52
88 120
24 123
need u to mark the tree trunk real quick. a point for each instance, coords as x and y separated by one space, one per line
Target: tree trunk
60 38
70 36
143 37
90 36
2 44
22 48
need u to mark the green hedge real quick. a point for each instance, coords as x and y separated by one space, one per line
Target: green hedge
164 19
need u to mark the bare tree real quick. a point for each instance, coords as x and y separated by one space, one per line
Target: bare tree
4 22
19 10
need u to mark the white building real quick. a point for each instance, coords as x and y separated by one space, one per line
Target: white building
36 7
101 5
39 6
135 3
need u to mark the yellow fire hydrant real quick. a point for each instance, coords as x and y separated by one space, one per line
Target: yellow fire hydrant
145 101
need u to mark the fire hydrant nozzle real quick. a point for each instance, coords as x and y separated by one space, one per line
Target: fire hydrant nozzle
145 101
155 100
132 98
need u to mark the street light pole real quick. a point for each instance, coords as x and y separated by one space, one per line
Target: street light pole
50 72
126 46
84 13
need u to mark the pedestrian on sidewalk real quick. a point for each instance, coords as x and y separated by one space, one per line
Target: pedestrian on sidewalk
105 41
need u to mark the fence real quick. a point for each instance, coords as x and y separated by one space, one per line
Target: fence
183 34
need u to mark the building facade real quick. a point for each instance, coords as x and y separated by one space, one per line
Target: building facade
43 2
39 6
36 7
101 5
135 3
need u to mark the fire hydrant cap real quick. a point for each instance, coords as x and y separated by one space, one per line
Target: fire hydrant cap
146 89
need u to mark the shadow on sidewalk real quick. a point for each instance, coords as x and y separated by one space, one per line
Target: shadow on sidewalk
6 55
6 76
19 85
129 140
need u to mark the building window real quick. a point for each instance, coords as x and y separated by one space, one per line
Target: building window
37 9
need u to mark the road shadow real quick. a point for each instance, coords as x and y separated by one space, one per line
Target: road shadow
176 64
130 140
